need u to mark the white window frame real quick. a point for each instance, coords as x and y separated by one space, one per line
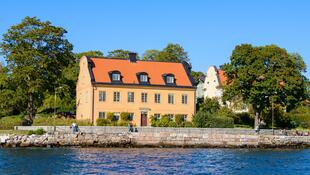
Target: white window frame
170 98
184 99
102 96
116 96
144 97
143 78
101 115
116 77
157 98
170 79
130 97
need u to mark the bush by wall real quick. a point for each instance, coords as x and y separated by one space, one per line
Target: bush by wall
110 116
36 132
125 116
300 117
103 122
54 121
8 123
208 120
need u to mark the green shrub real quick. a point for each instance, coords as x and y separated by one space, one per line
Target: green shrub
244 118
122 123
55 121
187 124
178 118
164 121
154 121
219 122
8 123
39 131
200 118
210 105
110 116
207 120
103 122
125 116
172 124
300 116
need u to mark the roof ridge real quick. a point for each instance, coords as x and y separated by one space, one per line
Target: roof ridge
117 58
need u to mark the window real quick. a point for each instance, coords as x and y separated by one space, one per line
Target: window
116 77
184 117
131 97
101 95
157 98
143 78
131 115
170 79
116 97
170 98
143 97
170 117
184 99
101 115
157 116
116 116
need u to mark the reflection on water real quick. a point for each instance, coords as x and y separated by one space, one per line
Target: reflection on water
153 161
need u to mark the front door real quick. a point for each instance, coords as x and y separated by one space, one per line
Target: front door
143 119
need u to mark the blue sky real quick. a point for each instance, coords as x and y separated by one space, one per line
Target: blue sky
207 29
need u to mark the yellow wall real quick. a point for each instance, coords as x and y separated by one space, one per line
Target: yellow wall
150 106
86 91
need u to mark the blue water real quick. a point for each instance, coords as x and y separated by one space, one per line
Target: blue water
153 161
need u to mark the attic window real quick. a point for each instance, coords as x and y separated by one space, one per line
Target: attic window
143 78
116 77
170 79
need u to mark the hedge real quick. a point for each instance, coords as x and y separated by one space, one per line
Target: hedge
54 121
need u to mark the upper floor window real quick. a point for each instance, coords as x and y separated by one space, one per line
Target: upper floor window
102 95
170 98
131 97
143 97
116 96
143 78
184 99
157 98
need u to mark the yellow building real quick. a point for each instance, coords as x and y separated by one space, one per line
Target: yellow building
142 88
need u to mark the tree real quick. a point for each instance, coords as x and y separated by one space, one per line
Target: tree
36 52
171 53
119 53
196 75
266 74
150 54
91 53
210 105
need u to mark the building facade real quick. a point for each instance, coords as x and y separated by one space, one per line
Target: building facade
141 88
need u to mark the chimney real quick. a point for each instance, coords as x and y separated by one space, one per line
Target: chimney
132 57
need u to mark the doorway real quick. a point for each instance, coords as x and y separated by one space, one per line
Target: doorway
143 118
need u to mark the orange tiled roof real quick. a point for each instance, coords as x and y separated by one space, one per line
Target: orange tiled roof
222 77
129 70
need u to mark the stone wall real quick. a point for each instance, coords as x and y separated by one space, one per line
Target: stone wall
154 137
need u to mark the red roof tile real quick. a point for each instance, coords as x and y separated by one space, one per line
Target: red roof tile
129 70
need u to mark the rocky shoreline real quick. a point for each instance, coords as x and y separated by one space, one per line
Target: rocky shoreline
128 139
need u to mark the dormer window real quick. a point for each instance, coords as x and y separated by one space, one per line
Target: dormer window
169 79
115 76
143 78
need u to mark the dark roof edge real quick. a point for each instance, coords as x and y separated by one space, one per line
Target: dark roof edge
115 58
90 69
187 69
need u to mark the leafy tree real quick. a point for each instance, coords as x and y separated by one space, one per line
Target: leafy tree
196 75
119 53
36 53
91 53
264 74
150 54
210 105
171 53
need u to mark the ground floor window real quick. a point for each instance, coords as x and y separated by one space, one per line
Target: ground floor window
157 116
101 115
131 115
184 117
170 117
116 116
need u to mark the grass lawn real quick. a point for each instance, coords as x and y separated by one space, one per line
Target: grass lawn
2 132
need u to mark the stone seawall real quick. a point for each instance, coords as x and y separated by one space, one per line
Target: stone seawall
160 137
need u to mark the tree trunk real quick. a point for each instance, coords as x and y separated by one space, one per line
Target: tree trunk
257 120
30 108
